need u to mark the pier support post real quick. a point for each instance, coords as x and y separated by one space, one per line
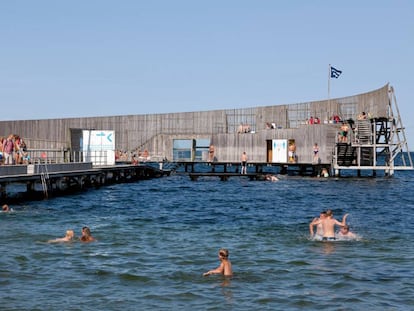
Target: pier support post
3 192
30 187
193 177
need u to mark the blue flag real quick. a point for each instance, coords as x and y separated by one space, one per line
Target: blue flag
335 73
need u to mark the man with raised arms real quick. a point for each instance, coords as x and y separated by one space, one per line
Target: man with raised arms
316 222
328 225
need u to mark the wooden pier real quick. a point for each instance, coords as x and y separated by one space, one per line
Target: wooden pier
46 180
225 176
255 170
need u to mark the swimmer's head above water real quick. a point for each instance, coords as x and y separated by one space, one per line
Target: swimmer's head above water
223 253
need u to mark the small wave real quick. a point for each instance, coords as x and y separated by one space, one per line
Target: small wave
134 277
298 263
338 238
345 238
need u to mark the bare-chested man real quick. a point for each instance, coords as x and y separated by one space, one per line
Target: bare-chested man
243 163
316 222
328 225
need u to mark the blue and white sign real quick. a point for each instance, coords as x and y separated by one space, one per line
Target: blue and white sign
279 150
98 147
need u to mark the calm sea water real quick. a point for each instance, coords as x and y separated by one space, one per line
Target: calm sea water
157 237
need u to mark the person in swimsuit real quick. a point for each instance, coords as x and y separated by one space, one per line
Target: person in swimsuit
345 233
86 235
315 153
316 222
244 163
225 264
328 225
270 177
324 172
67 238
344 133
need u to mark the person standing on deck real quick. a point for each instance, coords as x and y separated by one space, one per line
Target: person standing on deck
8 148
243 163
315 154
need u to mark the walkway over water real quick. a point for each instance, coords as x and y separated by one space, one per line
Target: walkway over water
44 180
255 170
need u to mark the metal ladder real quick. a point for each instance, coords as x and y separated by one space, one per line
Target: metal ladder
44 177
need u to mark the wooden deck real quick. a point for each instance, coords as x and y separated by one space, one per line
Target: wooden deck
226 176
45 180
255 170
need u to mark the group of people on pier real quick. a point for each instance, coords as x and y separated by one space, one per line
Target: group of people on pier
13 150
134 157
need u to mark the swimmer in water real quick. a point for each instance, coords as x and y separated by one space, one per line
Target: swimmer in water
67 238
271 177
344 233
86 235
225 265
319 228
5 208
328 225
316 222
324 173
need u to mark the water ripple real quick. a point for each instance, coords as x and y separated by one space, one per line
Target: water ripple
157 237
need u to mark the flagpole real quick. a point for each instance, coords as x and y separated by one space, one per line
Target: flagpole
329 82
329 89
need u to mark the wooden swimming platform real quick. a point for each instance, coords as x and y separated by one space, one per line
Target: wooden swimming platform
45 180
255 170
225 176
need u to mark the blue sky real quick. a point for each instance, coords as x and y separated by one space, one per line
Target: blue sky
84 58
